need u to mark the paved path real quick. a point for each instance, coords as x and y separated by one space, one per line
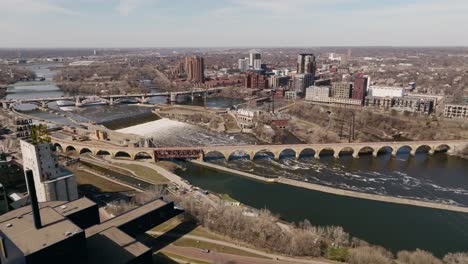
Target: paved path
231 245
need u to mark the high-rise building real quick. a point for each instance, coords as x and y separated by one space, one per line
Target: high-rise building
52 182
244 64
195 69
360 87
317 93
255 80
302 81
255 59
306 64
341 90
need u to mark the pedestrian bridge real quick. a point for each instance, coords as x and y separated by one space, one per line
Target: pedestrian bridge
261 151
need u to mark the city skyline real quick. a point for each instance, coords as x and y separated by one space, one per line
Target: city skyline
231 23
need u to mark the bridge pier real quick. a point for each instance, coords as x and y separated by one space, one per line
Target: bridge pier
394 152
336 155
413 152
172 97
356 155
44 105
375 153
317 155
431 151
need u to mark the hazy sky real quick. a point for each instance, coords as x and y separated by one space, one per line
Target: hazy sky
181 23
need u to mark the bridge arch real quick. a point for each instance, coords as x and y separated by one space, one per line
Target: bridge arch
85 150
328 151
346 151
405 149
239 154
423 149
103 153
70 149
287 153
58 147
307 153
264 154
122 154
214 155
143 156
442 148
383 150
365 151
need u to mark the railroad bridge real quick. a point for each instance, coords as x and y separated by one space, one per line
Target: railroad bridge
256 151
80 100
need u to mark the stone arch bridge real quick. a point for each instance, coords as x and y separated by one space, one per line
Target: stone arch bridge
254 151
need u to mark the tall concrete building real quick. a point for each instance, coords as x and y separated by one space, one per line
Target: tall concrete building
302 81
52 182
306 64
360 86
317 93
341 90
195 69
244 64
255 60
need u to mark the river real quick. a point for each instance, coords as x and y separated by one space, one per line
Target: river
393 226
439 178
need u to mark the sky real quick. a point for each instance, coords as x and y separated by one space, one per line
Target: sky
232 23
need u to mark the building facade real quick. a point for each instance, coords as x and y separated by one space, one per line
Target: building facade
317 93
255 80
341 90
255 59
279 81
52 182
456 111
244 64
360 85
386 91
195 69
302 81
306 63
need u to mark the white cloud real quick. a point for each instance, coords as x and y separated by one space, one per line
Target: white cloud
32 7
284 6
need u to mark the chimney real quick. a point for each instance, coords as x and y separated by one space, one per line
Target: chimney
33 197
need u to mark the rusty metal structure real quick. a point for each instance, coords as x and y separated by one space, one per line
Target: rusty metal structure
178 154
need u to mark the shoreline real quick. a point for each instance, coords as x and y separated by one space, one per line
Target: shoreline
335 191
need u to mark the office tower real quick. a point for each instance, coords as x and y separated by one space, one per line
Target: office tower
360 87
301 82
255 59
244 64
306 64
195 69
52 182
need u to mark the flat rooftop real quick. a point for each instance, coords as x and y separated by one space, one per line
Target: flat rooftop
126 217
72 207
124 248
22 232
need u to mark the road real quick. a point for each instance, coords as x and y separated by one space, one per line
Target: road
283 259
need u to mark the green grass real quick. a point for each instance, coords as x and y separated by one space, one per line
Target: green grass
228 198
85 178
186 242
337 253
145 173
183 259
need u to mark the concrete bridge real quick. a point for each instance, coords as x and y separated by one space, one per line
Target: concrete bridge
80 100
262 151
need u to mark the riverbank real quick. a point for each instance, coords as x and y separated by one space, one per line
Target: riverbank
335 191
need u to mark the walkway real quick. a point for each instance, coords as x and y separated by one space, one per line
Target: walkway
231 245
